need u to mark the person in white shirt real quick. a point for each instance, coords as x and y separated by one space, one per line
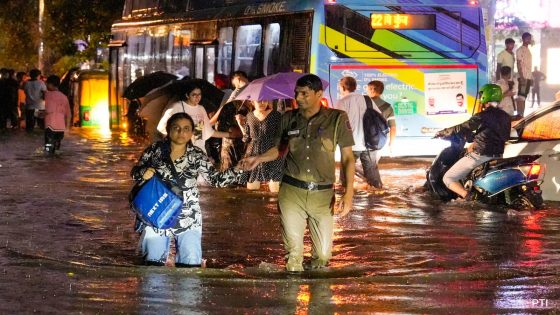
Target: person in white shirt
190 105
524 71
34 100
509 90
506 58
354 104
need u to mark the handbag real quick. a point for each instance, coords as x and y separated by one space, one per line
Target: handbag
155 203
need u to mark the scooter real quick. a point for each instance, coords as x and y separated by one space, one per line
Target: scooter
512 182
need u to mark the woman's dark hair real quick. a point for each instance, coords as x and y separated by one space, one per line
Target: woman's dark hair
175 117
189 88
311 81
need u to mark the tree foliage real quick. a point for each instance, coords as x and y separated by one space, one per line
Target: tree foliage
19 39
64 22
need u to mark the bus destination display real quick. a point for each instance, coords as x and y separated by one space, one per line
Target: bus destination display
398 21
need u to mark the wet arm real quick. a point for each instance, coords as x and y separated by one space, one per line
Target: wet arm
270 155
142 165
163 121
215 177
214 118
349 165
347 160
519 67
221 134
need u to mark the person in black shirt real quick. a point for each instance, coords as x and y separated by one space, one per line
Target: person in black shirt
491 129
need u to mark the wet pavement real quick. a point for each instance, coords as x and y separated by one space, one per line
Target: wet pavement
67 246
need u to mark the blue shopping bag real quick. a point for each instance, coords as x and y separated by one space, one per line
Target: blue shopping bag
155 203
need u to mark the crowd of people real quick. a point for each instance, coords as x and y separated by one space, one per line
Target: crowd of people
289 149
293 153
30 100
517 85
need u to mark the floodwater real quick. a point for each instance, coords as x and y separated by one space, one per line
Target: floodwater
67 246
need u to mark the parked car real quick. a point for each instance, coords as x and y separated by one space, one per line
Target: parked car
539 133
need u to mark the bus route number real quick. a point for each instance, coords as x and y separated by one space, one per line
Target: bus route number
402 21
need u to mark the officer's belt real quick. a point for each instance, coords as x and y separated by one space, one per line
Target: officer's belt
305 185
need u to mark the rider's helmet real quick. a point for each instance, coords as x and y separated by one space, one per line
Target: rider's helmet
490 93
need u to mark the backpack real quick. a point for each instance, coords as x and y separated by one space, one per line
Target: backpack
376 127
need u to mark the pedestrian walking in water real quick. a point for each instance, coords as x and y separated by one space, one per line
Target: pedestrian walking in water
34 100
178 162
306 195
355 105
57 115
375 89
259 129
11 93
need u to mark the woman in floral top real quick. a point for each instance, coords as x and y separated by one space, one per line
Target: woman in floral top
189 161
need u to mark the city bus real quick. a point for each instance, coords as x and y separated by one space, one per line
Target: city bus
430 54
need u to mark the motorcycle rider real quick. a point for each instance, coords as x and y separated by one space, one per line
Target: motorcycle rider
491 128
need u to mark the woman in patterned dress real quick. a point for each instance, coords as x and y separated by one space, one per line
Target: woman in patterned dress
259 131
189 161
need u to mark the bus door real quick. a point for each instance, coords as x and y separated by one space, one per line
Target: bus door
204 61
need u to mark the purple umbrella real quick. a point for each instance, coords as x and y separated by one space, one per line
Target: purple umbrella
273 87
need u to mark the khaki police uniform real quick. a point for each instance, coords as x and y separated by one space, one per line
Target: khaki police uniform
306 193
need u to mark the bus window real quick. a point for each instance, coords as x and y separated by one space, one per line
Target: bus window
199 59
133 61
224 50
210 63
181 53
160 41
271 48
248 49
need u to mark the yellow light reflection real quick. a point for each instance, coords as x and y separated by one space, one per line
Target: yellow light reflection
303 298
100 114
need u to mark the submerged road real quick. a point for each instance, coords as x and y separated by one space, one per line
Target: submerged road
67 246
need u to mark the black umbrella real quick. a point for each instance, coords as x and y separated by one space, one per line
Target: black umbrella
211 95
141 86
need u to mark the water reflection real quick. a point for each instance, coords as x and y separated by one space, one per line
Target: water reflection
66 229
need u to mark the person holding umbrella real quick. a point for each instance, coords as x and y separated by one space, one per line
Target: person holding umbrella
306 195
190 103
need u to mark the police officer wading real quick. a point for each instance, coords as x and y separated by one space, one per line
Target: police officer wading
306 197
